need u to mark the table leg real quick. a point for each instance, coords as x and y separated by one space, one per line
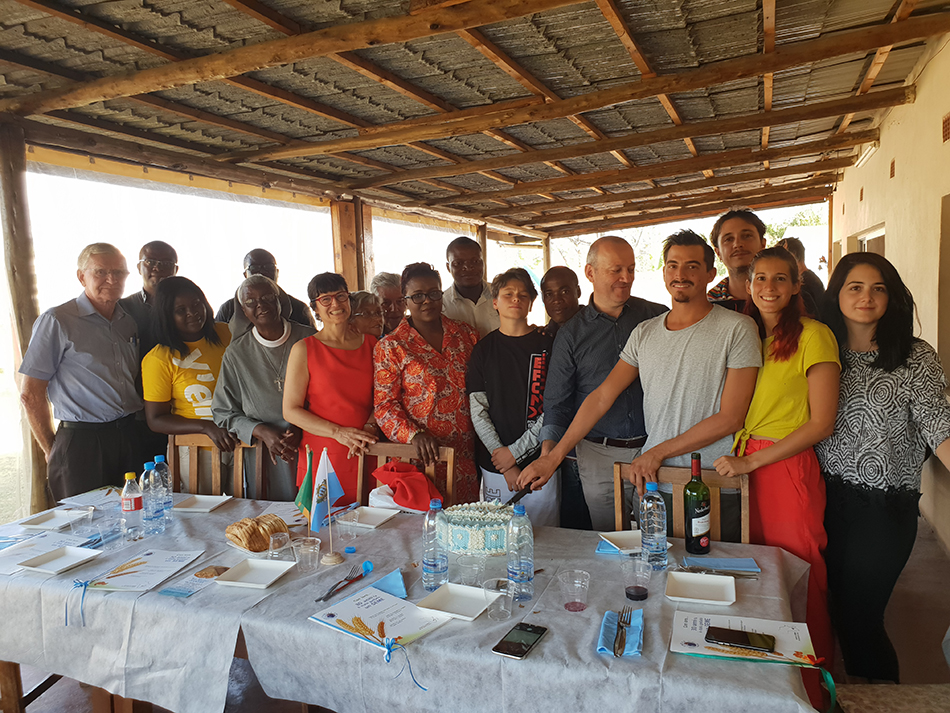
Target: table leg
129 705
101 701
11 688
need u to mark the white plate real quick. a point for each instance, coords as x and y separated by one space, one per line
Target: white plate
372 518
701 588
627 541
257 574
52 519
201 503
59 560
457 601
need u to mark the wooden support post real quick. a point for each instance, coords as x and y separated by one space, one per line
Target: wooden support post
346 218
481 235
21 275
11 689
546 253
367 252
831 233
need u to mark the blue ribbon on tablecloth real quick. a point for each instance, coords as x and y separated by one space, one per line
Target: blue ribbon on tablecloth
77 583
391 645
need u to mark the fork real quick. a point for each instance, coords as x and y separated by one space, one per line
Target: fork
624 617
354 570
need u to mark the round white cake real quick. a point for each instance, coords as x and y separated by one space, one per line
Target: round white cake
475 528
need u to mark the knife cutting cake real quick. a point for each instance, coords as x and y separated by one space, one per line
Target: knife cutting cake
475 528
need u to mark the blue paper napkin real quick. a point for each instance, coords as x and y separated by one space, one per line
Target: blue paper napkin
605 548
737 564
608 629
392 583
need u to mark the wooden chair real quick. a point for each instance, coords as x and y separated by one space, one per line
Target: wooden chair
194 441
406 452
679 477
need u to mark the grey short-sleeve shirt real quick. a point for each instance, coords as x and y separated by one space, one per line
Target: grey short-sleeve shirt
683 373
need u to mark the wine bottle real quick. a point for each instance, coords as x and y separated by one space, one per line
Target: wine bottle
697 505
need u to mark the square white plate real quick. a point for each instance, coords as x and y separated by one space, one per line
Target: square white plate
257 574
52 519
701 588
59 560
627 541
457 601
201 503
372 518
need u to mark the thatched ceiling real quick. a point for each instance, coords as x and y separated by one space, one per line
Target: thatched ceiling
390 100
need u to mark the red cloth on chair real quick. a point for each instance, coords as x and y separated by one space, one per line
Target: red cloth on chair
411 489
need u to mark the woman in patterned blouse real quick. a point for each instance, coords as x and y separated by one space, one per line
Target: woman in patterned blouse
420 380
892 412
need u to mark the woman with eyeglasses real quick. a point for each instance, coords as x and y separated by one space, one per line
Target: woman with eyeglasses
180 373
366 313
892 414
420 381
329 387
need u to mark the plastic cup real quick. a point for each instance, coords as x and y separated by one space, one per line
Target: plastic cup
636 577
574 584
347 528
307 553
80 522
278 542
112 532
500 606
470 569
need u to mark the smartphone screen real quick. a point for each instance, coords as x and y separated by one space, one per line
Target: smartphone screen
519 641
742 639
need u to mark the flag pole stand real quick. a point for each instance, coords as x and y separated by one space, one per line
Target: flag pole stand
331 557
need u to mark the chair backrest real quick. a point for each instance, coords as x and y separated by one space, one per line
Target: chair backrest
678 478
194 441
406 452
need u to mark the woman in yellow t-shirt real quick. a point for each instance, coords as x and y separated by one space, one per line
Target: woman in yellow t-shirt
794 407
179 374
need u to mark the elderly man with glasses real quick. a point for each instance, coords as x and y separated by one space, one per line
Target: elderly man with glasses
84 358
387 288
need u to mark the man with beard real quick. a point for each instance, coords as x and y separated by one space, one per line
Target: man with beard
697 365
736 236
469 298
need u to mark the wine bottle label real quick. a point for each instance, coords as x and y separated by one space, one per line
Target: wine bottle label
701 525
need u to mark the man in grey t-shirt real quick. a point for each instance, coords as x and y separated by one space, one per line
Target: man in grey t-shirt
697 364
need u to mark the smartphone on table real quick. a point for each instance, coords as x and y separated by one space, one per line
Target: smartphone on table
742 639
519 641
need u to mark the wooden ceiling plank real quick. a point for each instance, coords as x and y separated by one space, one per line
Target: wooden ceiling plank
890 97
784 57
501 60
725 159
393 81
275 53
262 13
549 209
816 195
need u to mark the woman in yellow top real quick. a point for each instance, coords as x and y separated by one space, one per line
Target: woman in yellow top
794 407
179 374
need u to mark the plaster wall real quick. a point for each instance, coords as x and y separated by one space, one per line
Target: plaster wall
913 208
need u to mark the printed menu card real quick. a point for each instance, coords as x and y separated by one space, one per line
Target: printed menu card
144 571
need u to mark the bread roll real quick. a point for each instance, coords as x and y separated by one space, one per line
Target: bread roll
254 534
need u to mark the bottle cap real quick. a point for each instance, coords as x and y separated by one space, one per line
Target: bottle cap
159 459
519 509
696 456
150 465
130 476
349 550
435 504
651 487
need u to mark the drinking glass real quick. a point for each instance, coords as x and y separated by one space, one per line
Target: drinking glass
347 528
307 553
278 542
80 522
112 531
470 569
574 584
636 577
500 596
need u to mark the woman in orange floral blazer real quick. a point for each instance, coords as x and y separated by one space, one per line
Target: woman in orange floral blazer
419 386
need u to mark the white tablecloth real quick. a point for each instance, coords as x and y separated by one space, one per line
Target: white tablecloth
177 652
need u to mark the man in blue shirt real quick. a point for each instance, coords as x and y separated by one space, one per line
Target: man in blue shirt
84 357
586 349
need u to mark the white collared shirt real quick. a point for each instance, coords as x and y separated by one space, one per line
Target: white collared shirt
481 314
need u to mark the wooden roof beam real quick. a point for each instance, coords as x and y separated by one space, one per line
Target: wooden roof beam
814 195
891 97
768 45
274 53
724 159
877 62
549 209
784 57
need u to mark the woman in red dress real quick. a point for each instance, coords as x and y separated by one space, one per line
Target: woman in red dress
329 385
420 381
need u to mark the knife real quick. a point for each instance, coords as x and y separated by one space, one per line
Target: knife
343 585
620 638
520 494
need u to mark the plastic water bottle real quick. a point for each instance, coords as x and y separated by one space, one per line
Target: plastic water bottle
653 527
519 541
132 508
153 495
435 560
161 467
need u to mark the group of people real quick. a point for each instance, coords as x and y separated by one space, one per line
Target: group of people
826 400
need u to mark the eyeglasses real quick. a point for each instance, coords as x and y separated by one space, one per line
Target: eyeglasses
269 300
101 274
164 264
327 300
420 297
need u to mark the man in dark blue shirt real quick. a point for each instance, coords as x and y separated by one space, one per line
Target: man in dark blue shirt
586 348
